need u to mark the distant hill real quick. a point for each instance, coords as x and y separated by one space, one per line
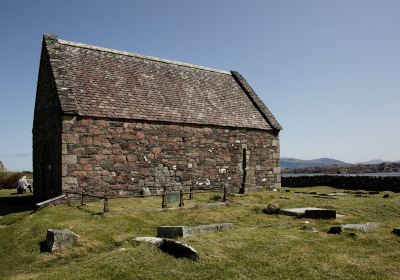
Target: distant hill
320 162
372 161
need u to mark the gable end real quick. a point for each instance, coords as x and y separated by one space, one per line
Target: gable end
257 102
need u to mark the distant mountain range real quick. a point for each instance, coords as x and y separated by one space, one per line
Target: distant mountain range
322 162
302 163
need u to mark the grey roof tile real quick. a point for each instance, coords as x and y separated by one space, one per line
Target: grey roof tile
98 82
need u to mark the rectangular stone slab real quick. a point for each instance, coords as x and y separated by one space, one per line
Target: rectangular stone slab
363 227
320 214
311 212
183 231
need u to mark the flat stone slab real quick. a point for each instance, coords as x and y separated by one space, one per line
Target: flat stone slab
183 231
325 196
337 194
310 212
170 246
60 239
150 240
363 227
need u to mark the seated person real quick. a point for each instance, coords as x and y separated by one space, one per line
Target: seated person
23 185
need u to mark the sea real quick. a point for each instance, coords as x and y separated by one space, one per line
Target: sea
377 174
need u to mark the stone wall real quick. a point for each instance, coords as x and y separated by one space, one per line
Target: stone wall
46 135
368 183
121 157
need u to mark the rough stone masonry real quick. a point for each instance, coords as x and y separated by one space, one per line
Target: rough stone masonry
113 121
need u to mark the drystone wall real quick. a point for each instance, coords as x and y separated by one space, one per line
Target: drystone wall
367 183
121 157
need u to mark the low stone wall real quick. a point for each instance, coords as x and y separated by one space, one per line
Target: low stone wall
345 182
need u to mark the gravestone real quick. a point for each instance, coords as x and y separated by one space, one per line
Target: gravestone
183 231
363 227
60 239
320 214
173 198
310 212
145 191
250 180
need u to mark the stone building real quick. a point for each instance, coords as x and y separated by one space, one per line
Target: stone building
108 120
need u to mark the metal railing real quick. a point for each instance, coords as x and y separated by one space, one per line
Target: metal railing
164 197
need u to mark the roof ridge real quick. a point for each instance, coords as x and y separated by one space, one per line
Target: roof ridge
132 54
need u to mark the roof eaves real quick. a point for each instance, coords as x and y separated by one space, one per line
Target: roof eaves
257 102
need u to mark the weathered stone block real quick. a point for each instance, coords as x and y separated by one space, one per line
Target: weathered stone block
277 170
70 138
271 209
250 180
64 149
69 183
60 239
69 159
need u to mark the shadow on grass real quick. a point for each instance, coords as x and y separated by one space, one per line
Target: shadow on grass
43 246
15 203
83 208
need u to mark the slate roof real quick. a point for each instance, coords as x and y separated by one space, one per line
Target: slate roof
99 82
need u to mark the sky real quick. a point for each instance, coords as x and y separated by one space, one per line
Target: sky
328 70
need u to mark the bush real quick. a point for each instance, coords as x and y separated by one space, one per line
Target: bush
9 180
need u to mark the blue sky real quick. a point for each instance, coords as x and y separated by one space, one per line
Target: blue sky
328 70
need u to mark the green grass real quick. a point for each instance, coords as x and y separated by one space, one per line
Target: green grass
258 247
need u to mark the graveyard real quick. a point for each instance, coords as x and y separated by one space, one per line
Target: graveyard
254 245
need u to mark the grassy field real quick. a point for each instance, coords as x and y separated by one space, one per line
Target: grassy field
258 247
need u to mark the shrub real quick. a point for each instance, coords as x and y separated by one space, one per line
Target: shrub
9 180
